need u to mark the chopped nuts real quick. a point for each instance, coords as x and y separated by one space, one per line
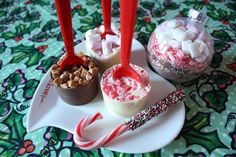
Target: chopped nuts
64 77
78 72
64 85
83 73
93 71
71 76
76 76
88 76
55 73
73 83
57 81
55 66
85 82
91 65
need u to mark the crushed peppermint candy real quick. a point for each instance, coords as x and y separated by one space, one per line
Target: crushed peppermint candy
126 88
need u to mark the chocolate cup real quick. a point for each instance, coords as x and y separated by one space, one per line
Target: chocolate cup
81 94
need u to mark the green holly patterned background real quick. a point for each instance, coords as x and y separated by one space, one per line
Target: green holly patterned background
30 42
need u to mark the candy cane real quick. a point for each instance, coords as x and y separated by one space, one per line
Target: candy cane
135 122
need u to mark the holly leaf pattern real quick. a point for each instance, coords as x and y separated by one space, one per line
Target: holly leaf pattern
91 23
79 10
29 88
216 60
11 141
221 46
5 106
30 53
147 5
143 38
21 29
2 48
47 63
221 35
216 99
221 79
198 122
233 139
190 153
14 79
50 25
210 140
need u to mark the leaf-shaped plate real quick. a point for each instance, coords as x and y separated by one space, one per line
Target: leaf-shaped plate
47 109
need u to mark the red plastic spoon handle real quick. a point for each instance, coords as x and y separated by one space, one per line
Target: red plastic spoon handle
65 19
106 14
128 9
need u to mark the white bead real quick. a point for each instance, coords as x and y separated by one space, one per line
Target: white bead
194 49
185 45
106 47
179 34
202 45
193 28
162 37
174 43
112 38
93 37
116 50
190 35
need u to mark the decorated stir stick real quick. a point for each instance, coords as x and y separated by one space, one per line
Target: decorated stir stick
135 122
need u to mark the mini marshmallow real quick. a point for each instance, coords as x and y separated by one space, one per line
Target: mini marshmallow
190 35
174 43
202 45
179 34
175 23
106 47
204 36
98 30
200 59
206 52
185 45
96 46
193 28
93 37
116 50
98 52
195 49
162 37
90 32
112 38
169 31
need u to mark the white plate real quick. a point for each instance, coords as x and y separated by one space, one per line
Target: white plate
47 109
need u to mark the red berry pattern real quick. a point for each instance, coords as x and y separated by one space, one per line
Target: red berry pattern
27 147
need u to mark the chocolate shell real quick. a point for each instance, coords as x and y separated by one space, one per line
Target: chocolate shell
81 94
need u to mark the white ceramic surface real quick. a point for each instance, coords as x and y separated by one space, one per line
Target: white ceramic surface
47 109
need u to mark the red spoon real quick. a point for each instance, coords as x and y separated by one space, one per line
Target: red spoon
65 19
106 14
128 9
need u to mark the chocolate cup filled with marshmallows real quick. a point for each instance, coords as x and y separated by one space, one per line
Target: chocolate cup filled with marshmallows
76 85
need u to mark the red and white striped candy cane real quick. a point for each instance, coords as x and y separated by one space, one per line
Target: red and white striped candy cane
94 144
135 122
